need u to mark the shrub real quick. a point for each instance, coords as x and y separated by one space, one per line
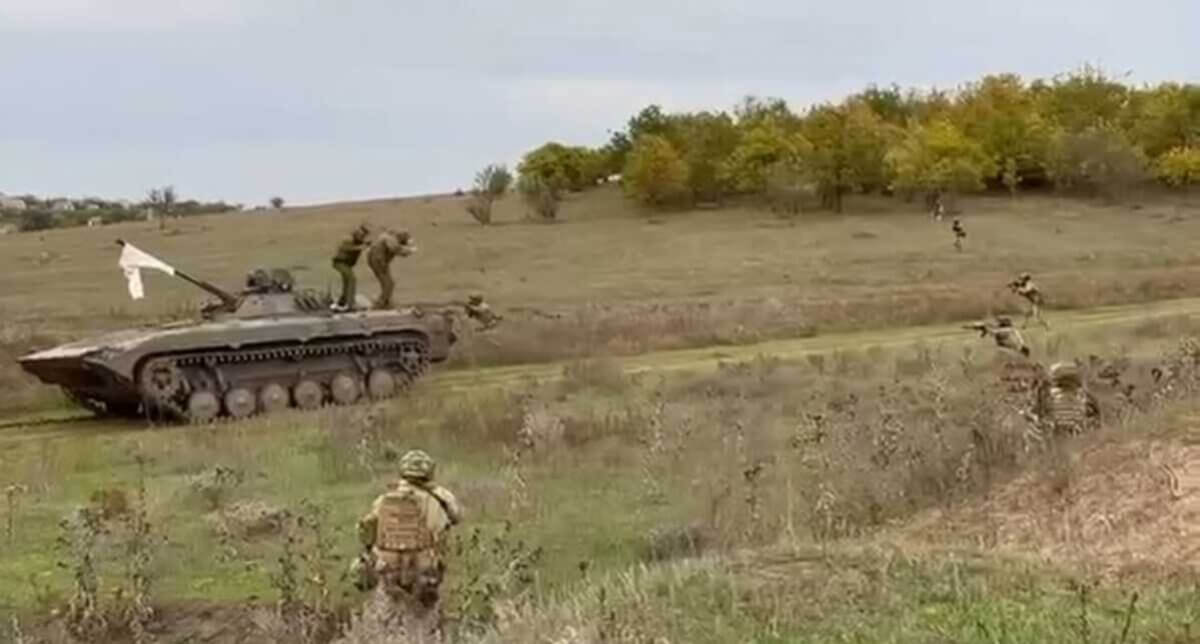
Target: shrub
541 195
490 184
1099 160
655 174
1179 167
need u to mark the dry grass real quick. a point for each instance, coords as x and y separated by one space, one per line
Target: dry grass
612 283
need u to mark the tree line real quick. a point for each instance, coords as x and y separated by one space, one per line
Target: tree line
1083 132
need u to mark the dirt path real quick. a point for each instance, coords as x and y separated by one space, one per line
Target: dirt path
55 425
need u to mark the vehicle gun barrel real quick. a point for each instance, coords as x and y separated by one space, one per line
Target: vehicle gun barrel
226 298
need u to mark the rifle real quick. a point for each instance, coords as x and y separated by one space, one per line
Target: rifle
981 327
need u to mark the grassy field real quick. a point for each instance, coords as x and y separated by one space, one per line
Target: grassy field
623 282
745 492
600 479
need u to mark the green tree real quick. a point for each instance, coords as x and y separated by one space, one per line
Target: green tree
566 167
1003 116
705 140
848 144
277 202
656 175
763 146
1099 160
938 157
1180 167
1082 99
1168 117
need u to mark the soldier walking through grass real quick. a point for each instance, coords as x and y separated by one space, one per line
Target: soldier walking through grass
387 246
1024 287
404 535
344 259
959 234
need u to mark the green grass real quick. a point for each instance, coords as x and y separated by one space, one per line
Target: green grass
855 594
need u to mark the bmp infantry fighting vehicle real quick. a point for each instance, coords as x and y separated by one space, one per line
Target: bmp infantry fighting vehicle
265 349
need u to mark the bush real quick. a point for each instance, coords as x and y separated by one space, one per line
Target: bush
1099 160
277 202
36 220
566 167
541 195
655 174
1180 167
490 184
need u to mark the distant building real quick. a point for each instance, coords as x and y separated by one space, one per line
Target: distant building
92 206
92 222
62 205
12 203
123 204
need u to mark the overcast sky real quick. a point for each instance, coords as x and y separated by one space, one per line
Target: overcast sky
320 100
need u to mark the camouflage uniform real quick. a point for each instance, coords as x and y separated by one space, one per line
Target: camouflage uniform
1025 288
344 260
383 250
479 311
1065 407
959 235
404 534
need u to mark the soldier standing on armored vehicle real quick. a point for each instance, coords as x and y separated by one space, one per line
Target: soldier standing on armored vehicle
404 535
383 250
344 260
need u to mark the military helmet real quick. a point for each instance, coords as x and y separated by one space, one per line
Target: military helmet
1065 373
1025 277
402 236
416 465
362 230
475 299
1004 321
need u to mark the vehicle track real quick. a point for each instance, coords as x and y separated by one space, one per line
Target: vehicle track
60 425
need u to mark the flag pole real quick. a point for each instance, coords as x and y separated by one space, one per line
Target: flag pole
229 300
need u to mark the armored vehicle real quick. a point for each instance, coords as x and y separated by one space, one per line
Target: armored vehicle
265 349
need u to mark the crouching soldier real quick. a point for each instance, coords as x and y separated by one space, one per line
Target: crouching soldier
404 537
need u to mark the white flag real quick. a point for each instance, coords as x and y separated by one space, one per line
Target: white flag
132 261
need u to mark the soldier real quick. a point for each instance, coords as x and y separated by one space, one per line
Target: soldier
1024 287
959 234
479 311
383 250
344 261
404 536
1005 334
933 201
1065 407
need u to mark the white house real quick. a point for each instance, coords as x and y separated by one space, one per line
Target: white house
92 222
62 205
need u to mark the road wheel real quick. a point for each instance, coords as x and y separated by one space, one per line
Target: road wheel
239 402
345 389
203 406
381 384
273 398
308 394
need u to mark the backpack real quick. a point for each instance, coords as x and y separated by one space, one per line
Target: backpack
402 526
